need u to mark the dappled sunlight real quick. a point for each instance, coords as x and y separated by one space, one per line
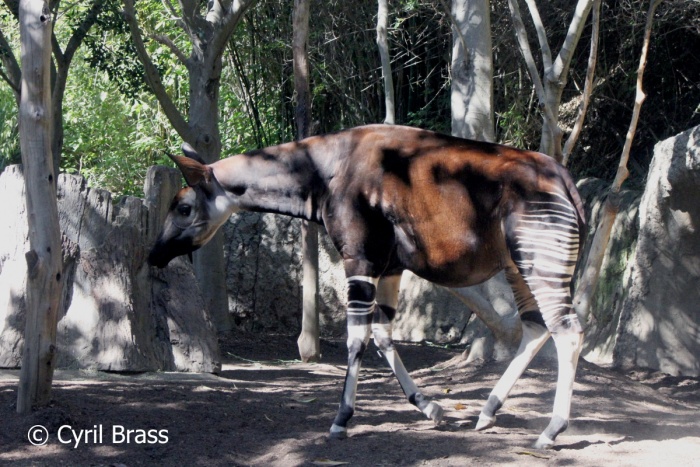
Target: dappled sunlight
278 413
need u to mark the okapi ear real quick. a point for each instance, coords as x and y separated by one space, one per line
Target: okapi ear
191 153
194 171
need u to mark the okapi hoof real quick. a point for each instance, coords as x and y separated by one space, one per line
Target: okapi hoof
485 422
434 412
543 442
338 432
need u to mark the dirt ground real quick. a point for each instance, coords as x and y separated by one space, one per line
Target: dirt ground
265 408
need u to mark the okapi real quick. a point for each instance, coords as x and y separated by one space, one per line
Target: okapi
391 198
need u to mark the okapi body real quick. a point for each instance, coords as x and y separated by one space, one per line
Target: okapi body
391 198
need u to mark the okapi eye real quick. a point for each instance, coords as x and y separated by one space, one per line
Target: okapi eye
184 209
238 190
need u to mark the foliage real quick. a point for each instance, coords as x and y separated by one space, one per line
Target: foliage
110 140
114 128
110 50
9 130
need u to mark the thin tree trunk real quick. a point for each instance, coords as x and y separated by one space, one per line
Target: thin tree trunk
588 86
472 70
309 340
203 122
472 117
208 36
383 45
589 278
556 69
44 284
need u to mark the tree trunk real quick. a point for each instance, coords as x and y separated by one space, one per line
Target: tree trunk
208 36
472 70
203 120
383 45
556 69
44 283
309 340
472 117
589 278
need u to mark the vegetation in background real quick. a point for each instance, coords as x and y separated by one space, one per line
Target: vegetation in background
114 128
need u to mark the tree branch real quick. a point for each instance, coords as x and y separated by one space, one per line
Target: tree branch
226 25
82 30
153 77
560 67
166 41
169 6
541 35
591 270
189 9
521 35
13 6
14 73
588 86
12 85
622 172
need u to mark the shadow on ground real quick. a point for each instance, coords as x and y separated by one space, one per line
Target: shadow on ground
268 409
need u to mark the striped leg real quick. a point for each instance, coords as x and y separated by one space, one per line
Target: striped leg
544 245
534 336
361 295
384 311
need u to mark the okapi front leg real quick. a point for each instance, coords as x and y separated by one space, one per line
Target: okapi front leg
361 294
384 312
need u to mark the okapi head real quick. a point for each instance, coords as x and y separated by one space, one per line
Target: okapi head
196 212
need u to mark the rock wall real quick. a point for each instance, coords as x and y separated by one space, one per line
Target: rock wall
263 258
660 318
118 314
606 304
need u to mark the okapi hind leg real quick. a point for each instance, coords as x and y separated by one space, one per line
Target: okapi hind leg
534 336
544 243
568 350
361 295
384 312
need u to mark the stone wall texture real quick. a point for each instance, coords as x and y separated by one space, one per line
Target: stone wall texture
660 317
118 314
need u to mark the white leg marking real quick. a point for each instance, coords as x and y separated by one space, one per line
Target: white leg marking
534 337
387 294
568 351
371 280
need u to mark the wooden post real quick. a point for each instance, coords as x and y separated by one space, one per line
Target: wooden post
44 281
309 342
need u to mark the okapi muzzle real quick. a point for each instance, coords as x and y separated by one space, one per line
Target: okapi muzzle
194 215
